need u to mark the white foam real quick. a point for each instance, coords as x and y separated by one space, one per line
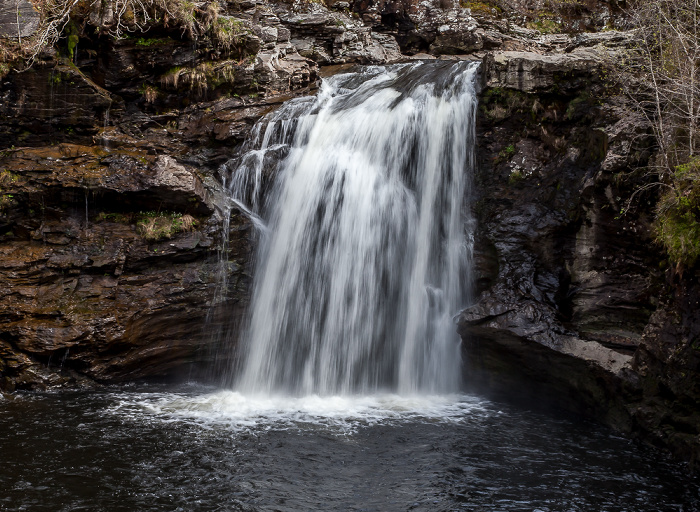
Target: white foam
238 412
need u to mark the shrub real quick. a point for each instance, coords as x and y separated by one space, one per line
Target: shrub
228 31
677 225
68 19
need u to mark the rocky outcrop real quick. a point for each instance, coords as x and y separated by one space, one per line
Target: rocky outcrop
336 38
437 28
570 286
526 72
450 27
109 265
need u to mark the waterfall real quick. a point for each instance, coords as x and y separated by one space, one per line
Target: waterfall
366 253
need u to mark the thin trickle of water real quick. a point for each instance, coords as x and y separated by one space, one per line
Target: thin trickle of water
86 209
65 356
367 252
105 124
53 79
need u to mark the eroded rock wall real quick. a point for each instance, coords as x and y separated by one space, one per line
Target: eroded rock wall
573 295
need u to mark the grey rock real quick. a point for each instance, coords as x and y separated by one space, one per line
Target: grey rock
18 19
611 39
174 177
532 72
269 34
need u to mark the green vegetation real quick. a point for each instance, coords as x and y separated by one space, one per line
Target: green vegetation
141 41
505 154
55 78
121 218
7 178
483 8
162 225
72 42
677 224
153 225
499 103
545 25
228 32
6 201
578 103
515 177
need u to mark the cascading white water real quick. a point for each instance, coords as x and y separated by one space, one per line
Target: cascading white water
366 255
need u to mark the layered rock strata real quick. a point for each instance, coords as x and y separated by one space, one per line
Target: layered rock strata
573 295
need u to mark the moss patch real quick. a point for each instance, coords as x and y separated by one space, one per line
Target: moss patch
544 25
483 8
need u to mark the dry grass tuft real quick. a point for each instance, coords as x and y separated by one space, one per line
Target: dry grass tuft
155 226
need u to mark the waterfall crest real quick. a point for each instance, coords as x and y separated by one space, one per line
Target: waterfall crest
367 248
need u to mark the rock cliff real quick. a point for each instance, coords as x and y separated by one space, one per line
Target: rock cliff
573 295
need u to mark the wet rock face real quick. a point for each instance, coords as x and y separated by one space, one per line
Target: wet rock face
571 292
668 364
550 206
88 292
46 100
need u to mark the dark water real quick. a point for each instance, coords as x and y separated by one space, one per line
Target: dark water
198 449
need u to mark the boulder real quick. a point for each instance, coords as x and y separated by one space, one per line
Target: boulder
531 72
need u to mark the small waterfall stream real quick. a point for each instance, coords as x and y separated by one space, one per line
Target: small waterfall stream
367 250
